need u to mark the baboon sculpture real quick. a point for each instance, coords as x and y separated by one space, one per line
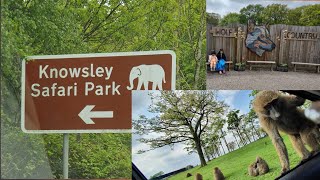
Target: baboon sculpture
280 112
259 167
218 174
198 176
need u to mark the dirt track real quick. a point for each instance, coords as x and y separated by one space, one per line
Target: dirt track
263 80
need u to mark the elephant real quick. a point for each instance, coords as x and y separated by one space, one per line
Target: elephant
147 73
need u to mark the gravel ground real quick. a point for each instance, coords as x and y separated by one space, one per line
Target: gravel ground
263 80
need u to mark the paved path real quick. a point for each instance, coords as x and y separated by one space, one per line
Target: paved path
263 80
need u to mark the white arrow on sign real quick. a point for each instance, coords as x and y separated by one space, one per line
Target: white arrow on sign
86 114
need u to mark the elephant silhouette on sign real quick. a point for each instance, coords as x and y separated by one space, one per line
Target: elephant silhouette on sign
147 73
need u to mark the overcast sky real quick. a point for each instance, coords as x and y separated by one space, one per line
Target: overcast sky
166 159
224 7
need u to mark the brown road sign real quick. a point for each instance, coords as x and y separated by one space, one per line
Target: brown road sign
89 93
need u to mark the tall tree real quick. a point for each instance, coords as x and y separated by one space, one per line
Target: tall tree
234 123
294 16
211 139
250 119
230 18
223 135
251 12
184 116
310 15
275 14
213 18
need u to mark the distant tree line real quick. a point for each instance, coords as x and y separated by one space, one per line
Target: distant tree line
308 15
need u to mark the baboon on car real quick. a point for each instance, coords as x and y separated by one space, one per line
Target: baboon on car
279 112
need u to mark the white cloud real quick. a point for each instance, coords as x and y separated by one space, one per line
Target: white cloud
228 96
141 100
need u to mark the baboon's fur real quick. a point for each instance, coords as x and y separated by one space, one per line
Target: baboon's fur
198 176
252 169
259 167
218 174
276 112
262 166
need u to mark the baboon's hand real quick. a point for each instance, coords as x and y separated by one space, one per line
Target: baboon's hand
284 170
305 159
299 101
314 153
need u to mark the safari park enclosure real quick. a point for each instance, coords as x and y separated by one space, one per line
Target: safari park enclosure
293 44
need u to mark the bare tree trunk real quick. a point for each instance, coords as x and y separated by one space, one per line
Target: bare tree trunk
199 48
258 134
253 135
200 152
225 141
224 152
235 139
240 137
207 154
216 149
246 134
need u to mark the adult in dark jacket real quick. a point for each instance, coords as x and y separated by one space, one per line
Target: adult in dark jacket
221 61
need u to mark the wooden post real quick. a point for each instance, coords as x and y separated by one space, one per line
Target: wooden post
282 43
238 44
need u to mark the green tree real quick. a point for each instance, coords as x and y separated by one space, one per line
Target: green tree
184 117
234 124
275 14
310 15
211 140
230 18
251 12
250 119
294 15
213 18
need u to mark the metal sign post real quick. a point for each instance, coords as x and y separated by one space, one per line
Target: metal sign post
65 160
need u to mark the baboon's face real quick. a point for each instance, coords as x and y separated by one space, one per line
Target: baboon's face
272 109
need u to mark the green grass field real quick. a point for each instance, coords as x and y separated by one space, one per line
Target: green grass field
234 165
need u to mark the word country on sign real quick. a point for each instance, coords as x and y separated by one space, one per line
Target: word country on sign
89 93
